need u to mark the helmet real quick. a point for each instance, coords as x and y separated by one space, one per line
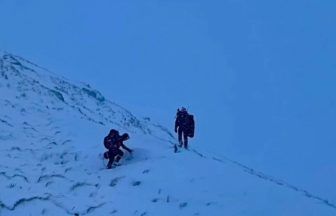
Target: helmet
183 109
125 136
113 132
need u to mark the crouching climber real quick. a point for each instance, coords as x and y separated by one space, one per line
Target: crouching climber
114 142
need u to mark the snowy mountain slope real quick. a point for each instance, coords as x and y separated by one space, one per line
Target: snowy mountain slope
51 133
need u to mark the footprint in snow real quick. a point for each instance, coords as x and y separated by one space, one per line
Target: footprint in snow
183 205
136 183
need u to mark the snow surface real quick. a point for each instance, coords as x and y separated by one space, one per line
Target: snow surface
51 133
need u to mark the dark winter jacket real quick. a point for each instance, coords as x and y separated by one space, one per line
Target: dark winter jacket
185 122
110 140
115 141
181 121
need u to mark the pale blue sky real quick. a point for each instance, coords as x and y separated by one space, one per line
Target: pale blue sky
258 75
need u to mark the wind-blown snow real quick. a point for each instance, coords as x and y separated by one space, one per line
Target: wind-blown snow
51 133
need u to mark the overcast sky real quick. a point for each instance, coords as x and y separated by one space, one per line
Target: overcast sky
258 75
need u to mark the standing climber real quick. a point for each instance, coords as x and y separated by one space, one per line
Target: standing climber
184 126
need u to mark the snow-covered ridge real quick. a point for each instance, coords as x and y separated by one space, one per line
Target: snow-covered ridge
31 82
51 133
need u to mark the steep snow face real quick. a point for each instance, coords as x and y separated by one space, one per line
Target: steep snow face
51 133
47 93
40 116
